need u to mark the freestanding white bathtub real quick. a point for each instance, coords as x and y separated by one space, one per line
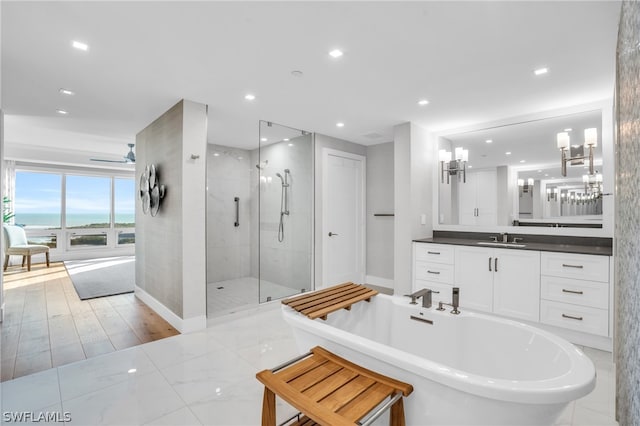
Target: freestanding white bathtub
466 369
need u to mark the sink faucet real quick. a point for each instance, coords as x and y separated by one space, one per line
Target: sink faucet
455 302
505 237
426 294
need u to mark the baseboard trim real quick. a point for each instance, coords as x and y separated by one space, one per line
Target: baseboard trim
182 325
381 282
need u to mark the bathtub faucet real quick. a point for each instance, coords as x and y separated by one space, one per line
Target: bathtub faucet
426 294
455 302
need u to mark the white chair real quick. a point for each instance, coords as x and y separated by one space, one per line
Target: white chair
15 243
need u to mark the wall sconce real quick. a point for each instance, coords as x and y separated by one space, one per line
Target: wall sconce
577 156
457 167
552 194
526 188
592 184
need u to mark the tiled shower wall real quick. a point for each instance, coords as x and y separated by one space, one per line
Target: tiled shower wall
627 217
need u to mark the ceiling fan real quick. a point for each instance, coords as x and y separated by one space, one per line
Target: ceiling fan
130 158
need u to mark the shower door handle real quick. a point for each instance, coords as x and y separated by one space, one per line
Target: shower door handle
237 201
331 234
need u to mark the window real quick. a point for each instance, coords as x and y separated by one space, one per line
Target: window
88 202
38 200
124 203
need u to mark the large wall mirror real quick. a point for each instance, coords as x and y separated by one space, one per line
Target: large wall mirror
512 174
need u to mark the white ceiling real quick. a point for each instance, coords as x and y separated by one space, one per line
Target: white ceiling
473 61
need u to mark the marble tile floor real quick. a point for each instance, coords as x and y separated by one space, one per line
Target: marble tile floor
206 378
224 297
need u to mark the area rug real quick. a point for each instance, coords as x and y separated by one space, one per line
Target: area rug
102 277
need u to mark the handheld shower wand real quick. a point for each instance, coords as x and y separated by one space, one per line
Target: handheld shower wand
284 202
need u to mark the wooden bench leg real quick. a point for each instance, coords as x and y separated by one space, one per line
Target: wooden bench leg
28 262
23 259
47 255
397 414
6 261
268 408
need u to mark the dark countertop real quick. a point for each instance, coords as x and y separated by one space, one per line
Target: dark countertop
581 245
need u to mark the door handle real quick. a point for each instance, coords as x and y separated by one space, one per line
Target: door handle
489 264
495 264
331 234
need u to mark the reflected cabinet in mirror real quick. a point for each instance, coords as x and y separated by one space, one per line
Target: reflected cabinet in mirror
541 172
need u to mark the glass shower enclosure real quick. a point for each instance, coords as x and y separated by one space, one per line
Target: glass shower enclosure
259 220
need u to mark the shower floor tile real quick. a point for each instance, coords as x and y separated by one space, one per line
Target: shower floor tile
224 297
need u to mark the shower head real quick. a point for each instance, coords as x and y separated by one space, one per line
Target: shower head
280 176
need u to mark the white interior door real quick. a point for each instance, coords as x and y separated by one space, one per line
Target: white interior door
344 222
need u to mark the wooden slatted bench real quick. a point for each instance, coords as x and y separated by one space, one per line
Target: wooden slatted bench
321 303
330 391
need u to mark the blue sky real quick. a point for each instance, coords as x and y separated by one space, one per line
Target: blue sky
41 193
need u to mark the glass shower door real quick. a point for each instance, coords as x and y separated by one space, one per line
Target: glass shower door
285 195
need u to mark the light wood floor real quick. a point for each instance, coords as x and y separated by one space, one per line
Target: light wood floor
46 325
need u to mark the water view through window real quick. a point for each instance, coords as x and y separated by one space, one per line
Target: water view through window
38 201
88 202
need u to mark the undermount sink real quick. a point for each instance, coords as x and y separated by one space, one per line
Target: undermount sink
496 244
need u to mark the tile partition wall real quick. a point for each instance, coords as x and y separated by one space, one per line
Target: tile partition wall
627 216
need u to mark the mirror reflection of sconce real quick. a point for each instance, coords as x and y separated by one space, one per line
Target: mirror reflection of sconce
552 194
151 191
526 187
577 155
592 184
454 167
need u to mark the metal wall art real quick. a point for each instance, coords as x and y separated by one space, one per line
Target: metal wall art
151 191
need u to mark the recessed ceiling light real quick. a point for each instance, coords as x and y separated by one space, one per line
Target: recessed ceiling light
336 53
290 144
216 154
539 171
546 174
263 139
541 71
62 112
470 167
423 102
132 370
286 139
340 124
249 96
568 129
66 92
239 158
507 153
80 45
489 141
522 161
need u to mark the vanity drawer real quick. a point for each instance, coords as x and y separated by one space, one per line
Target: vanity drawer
578 318
435 272
445 290
580 266
578 292
438 253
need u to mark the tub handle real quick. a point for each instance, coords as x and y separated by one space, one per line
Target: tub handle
571 317
564 290
565 265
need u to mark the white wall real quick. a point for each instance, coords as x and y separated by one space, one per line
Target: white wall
380 199
170 248
413 186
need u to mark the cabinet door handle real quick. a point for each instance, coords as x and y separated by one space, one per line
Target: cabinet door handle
565 265
489 264
564 290
495 264
571 317
434 272
433 252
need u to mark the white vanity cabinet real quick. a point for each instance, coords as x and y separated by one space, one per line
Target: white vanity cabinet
502 281
575 292
433 269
